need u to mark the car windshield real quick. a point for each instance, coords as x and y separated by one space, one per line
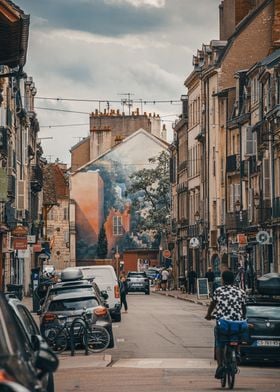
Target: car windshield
136 275
267 312
73 304
99 275
66 290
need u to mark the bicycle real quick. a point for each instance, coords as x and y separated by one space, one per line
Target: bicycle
235 333
95 338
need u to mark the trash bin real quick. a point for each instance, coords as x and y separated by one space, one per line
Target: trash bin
16 289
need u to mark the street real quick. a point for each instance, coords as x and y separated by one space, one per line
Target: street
162 344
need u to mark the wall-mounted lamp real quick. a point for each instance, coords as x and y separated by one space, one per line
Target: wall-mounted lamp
197 216
256 200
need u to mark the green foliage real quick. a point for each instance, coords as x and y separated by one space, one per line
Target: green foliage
150 190
102 244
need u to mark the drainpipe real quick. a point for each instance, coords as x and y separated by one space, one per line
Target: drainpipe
272 190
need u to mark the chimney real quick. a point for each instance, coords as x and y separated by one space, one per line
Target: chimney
231 12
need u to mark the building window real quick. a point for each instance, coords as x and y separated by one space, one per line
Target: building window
117 226
65 214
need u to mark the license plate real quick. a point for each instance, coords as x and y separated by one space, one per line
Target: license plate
268 343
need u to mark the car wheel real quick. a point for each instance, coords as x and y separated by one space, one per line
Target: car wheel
50 386
147 292
112 342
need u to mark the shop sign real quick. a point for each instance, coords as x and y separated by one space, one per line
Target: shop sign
20 231
31 239
23 253
20 243
37 248
242 239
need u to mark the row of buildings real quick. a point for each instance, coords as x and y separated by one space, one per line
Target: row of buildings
225 158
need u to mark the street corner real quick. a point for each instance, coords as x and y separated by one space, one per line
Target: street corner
84 361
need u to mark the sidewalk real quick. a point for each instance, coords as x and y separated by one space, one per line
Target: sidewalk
80 360
183 296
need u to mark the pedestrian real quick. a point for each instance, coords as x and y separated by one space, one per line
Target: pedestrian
170 279
191 280
164 278
210 277
158 280
123 292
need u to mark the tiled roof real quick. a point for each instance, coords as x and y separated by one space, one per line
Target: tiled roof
55 184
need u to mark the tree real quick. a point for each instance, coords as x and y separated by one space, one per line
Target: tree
150 190
102 244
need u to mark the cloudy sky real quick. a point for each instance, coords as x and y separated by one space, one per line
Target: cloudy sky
100 49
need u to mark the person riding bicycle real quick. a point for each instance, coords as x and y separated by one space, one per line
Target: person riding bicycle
228 303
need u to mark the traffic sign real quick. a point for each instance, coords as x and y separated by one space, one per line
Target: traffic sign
166 253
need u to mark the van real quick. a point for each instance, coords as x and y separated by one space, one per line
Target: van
106 279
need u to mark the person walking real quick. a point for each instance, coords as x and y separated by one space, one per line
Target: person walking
164 278
210 277
192 278
123 292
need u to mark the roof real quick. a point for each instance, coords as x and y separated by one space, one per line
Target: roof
55 184
84 140
153 138
77 295
14 31
272 59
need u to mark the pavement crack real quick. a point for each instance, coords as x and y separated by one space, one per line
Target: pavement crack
165 338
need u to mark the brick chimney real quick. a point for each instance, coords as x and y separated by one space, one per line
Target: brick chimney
276 26
231 13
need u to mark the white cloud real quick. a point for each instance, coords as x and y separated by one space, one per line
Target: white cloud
139 3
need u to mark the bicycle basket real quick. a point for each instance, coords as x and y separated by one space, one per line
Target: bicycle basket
232 331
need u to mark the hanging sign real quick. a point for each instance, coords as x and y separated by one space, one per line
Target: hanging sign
20 243
20 231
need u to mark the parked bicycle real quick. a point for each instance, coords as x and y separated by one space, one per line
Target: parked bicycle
80 332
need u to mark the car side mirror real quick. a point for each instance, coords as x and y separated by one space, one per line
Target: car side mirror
104 294
46 361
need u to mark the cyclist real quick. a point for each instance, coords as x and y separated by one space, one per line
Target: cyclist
228 302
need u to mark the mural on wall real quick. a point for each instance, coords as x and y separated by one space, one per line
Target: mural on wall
105 219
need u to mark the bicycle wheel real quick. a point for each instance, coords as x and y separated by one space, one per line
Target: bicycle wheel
98 339
56 339
232 368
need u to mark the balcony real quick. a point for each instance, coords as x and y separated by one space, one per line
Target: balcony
193 231
237 220
182 166
233 163
36 180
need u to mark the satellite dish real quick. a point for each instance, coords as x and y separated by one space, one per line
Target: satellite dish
263 237
194 242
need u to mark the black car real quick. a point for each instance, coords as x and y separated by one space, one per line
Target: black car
73 287
263 315
31 329
72 305
25 357
138 281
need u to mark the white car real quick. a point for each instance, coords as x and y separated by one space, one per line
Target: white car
106 279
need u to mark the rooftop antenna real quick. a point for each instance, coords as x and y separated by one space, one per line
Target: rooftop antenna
127 101
44 138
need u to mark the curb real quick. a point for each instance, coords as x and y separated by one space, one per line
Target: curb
198 302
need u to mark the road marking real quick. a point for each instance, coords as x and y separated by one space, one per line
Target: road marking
120 340
166 363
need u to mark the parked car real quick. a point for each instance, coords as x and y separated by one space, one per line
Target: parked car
263 315
25 357
31 329
10 386
73 287
152 273
106 279
73 305
138 281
